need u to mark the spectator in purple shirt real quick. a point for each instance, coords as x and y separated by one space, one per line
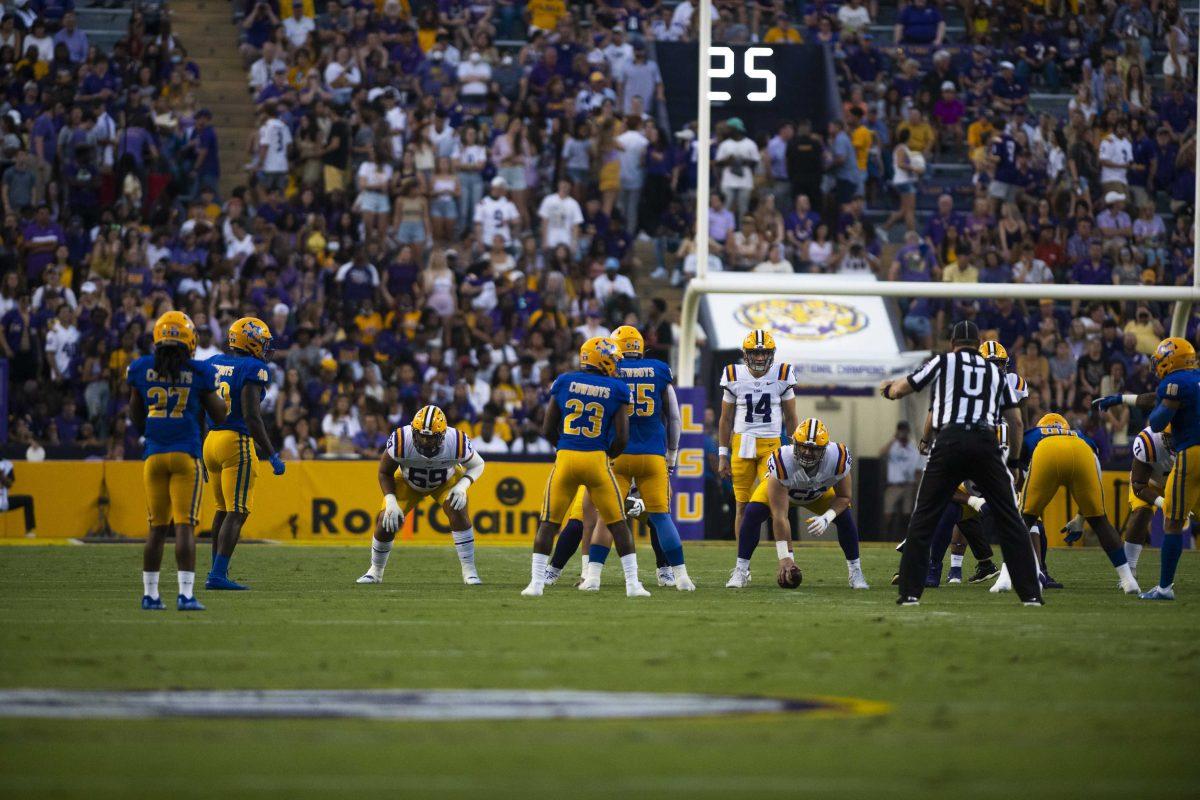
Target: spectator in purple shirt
1093 269
946 217
720 222
73 37
41 238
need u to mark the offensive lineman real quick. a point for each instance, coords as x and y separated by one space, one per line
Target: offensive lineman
648 459
757 397
810 472
434 461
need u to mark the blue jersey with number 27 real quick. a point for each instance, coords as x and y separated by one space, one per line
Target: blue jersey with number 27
173 408
648 380
589 403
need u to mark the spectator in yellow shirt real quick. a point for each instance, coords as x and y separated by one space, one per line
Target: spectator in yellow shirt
921 136
782 32
545 14
369 322
961 270
862 138
1147 329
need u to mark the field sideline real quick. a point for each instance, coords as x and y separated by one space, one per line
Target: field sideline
1094 694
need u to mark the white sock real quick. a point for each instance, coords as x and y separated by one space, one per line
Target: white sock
1132 553
187 581
583 568
464 543
592 571
1125 573
379 554
150 585
955 561
743 564
539 568
629 565
680 572
854 564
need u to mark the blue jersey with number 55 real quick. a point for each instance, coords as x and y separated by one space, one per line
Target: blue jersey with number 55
648 380
234 372
589 403
173 409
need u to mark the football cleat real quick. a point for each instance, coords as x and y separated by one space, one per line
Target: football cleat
1159 593
666 576
471 577
552 575
856 579
1037 601
532 590
1003 583
933 578
908 600
217 583
1131 587
635 589
985 570
684 583
152 603
738 579
188 604
1048 582
589 584
955 575
371 577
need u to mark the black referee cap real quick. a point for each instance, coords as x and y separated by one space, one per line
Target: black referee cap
965 333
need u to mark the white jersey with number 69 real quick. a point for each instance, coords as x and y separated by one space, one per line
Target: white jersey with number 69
803 486
423 473
759 400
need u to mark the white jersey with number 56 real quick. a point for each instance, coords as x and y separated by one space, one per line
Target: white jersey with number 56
759 400
428 474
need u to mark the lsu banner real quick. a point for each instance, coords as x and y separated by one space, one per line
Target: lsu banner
688 483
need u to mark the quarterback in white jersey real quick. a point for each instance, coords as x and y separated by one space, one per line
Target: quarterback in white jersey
812 473
433 460
758 401
1153 460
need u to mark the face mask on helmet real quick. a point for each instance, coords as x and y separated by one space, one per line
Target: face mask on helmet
758 359
428 444
809 455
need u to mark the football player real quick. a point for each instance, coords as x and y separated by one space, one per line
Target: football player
647 460
588 422
229 448
810 472
1054 457
433 460
758 402
1153 459
1176 402
169 392
581 520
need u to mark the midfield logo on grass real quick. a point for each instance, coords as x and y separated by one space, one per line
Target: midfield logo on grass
432 705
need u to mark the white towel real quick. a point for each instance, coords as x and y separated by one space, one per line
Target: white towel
749 446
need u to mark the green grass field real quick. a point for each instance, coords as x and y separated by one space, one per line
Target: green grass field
1093 695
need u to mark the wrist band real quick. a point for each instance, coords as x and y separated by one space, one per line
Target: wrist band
722 451
1129 399
1159 502
783 550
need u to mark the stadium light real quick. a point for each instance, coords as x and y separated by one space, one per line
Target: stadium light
750 283
703 136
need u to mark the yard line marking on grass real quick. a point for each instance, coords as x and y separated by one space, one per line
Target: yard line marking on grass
435 705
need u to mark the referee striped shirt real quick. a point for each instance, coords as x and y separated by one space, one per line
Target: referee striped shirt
967 389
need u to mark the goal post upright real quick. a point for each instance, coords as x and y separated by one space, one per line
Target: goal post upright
686 367
1183 309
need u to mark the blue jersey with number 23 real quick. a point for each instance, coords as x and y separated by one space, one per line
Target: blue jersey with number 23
589 403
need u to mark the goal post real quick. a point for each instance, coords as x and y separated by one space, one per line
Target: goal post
766 285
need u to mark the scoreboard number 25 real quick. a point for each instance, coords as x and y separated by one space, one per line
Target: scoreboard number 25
722 66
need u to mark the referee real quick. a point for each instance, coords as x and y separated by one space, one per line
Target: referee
970 399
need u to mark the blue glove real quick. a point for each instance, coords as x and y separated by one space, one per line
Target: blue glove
277 465
1072 531
1106 402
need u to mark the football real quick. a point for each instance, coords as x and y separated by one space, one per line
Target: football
790 578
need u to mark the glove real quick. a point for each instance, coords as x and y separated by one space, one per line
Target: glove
393 517
1106 402
817 525
634 506
277 465
976 503
672 460
1073 530
457 499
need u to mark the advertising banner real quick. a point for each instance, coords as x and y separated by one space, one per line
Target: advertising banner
832 340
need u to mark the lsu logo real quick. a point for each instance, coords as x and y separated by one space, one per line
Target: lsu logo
804 320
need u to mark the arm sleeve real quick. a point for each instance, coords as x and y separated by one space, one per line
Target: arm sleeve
1008 395
928 371
674 421
258 373
1160 417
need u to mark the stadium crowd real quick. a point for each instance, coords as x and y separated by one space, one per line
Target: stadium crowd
441 199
